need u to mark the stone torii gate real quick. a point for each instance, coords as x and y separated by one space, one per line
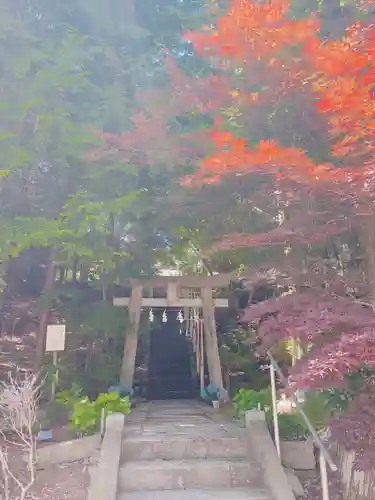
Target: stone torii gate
175 286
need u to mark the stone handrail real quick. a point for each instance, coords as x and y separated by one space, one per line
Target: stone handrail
104 480
264 449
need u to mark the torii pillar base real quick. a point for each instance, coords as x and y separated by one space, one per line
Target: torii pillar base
131 340
210 334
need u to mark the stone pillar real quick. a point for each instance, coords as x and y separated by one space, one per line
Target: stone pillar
212 348
263 449
104 477
131 340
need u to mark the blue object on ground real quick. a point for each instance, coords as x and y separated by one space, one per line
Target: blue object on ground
209 391
122 390
45 435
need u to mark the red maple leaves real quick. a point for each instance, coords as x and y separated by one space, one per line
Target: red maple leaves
344 86
339 74
339 333
253 30
233 156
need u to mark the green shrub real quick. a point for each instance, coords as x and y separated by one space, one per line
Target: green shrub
292 427
83 414
85 417
247 399
69 397
86 414
58 412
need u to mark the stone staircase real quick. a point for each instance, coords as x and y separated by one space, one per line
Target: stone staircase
176 450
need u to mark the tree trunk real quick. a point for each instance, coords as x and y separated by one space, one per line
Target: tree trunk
44 316
75 270
84 274
61 274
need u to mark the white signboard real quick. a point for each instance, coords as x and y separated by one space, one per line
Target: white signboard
55 339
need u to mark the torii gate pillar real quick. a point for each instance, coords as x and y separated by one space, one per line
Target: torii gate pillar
131 339
210 335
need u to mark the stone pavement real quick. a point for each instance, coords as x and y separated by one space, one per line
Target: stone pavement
179 450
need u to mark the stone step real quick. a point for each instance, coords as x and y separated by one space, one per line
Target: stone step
144 448
230 494
154 475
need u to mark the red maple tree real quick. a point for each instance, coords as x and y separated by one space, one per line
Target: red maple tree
338 75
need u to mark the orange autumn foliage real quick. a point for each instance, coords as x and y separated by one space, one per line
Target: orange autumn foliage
233 156
338 74
345 91
253 30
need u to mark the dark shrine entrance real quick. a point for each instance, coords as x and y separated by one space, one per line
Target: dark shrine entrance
170 371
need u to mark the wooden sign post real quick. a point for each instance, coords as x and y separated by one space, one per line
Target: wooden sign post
55 342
